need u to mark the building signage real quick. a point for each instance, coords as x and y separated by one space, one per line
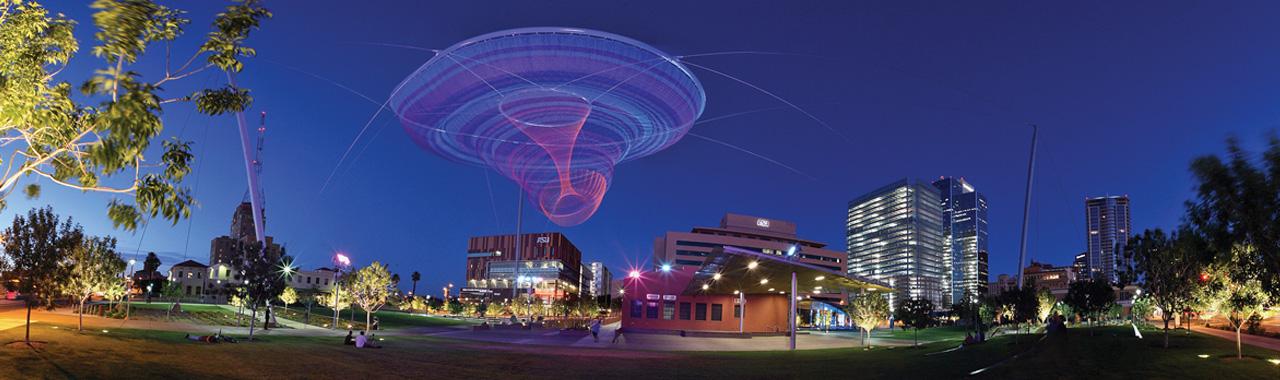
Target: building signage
544 239
763 223
651 296
669 297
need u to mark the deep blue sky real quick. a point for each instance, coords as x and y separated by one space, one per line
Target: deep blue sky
1126 94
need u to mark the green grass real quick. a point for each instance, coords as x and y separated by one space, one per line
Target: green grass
1112 353
212 315
387 319
926 335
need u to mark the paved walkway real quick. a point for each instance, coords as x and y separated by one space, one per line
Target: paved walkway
662 342
1252 340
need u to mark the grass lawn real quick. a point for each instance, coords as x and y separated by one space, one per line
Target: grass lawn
191 313
387 319
1109 354
926 335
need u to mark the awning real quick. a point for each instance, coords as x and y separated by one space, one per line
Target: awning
728 269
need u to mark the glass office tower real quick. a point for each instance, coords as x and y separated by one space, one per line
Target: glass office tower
1107 233
964 240
894 234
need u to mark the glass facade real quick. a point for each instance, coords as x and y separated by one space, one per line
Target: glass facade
894 234
964 239
1106 234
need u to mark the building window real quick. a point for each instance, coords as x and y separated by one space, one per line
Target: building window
717 311
635 308
668 309
686 311
700 311
737 311
188 289
651 311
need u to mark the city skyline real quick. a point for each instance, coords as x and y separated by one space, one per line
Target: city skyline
378 209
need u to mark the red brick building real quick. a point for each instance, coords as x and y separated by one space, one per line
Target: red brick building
549 264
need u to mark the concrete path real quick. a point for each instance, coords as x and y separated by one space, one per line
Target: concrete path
1252 340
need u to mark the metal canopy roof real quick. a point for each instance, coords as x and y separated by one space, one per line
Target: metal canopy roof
728 269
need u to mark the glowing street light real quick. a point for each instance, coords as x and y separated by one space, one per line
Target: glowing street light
715 276
634 274
666 267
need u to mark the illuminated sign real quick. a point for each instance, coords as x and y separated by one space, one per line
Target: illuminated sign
651 296
544 239
764 223
669 297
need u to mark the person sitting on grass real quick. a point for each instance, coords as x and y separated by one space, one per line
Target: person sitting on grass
349 341
363 341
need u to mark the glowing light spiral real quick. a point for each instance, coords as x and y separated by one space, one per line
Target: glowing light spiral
553 109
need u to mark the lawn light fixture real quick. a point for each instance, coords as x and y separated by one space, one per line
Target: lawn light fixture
715 276
753 265
820 278
764 281
705 286
1203 356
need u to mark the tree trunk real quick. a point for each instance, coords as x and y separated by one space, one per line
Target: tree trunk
80 326
28 338
1239 350
1166 332
253 318
366 321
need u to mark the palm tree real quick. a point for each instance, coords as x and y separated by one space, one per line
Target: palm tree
415 277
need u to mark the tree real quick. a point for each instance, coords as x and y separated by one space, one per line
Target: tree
95 266
455 307
415 277
1090 298
1238 293
1044 304
36 246
97 139
1141 310
1238 205
263 278
1020 305
327 300
173 291
915 314
866 310
289 296
1168 266
370 287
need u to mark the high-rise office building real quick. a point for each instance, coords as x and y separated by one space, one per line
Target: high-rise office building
1106 234
550 266
964 240
894 234
601 280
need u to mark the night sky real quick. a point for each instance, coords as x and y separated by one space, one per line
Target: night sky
1125 94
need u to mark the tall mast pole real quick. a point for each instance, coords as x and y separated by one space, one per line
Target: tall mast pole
515 289
255 192
1026 208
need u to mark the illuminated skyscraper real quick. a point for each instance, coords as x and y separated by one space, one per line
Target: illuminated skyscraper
1106 232
894 234
964 239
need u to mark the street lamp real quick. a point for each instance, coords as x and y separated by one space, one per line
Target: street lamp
128 288
339 260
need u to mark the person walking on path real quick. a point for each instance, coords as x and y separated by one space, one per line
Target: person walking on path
617 334
595 330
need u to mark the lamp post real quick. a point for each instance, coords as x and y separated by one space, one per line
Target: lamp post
793 297
339 260
128 288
